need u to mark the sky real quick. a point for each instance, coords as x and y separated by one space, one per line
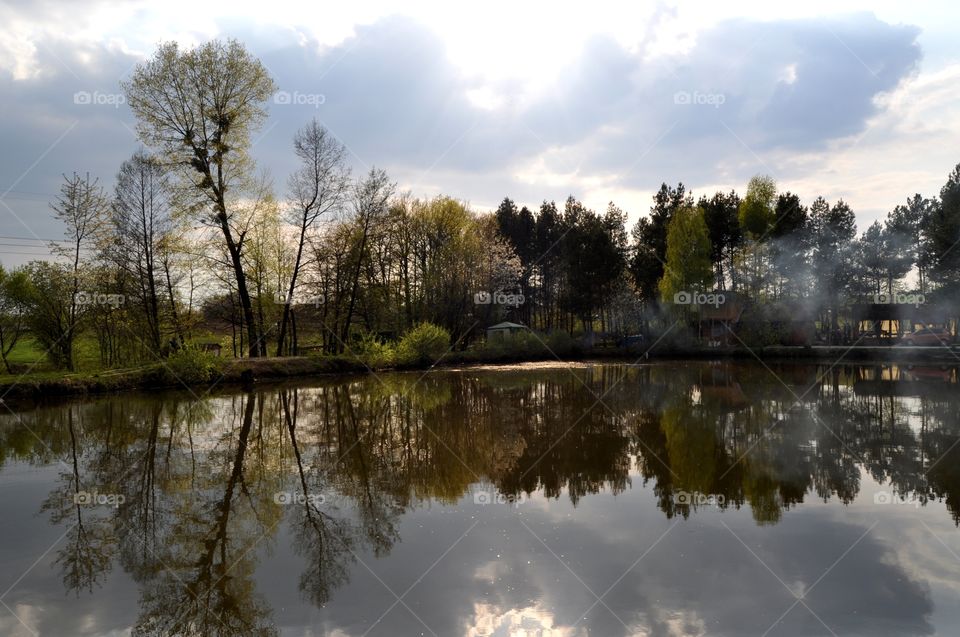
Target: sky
531 100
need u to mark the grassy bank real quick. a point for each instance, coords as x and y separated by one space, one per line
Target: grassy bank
200 372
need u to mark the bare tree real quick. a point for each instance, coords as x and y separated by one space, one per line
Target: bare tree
82 207
141 223
318 187
199 106
371 198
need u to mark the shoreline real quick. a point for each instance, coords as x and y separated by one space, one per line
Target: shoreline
39 388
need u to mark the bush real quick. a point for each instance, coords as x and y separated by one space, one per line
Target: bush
374 353
509 346
425 343
527 345
191 365
562 344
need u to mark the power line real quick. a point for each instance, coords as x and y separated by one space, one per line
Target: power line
2 236
28 254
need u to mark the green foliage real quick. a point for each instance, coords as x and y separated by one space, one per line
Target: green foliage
943 232
519 345
562 344
425 343
192 365
688 254
723 225
650 238
374 353
763 325
49 300
756 209
527 345
14 300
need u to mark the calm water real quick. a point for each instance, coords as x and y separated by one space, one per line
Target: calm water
663 499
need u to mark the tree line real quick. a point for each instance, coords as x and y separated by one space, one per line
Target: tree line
194 240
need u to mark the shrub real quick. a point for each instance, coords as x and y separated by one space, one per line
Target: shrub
528 345
425 343
374 353
562 344
518 345
192 365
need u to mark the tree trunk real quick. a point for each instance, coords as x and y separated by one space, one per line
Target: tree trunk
285 318
178 328
253 340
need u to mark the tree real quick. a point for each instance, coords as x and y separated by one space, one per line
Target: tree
82 208
549 234
199 107
650 238
790 245
756 216
908 225
886 256
319 187
594 259
688 266
264 258
519 228
371 197
832 232
756 212
943 233
141 224
51 303
726 236
872 257
14 301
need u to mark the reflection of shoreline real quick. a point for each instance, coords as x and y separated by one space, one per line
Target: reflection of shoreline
201 478
27 391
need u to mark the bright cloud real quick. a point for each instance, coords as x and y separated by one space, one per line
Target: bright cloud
528 100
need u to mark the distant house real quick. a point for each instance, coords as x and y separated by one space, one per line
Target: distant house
502 330
889 321
790 322
718 323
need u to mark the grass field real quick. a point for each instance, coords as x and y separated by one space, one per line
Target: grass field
29 357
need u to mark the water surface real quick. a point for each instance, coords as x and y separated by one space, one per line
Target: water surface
662 499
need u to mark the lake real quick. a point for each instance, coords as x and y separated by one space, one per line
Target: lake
669 498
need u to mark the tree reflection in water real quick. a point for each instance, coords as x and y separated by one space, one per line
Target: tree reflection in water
206 485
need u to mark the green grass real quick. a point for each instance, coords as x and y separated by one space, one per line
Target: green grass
26 352
29 354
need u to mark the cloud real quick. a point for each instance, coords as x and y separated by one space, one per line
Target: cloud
744 96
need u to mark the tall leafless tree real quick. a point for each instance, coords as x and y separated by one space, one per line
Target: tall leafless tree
82 207
371 199
141 222
319 186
